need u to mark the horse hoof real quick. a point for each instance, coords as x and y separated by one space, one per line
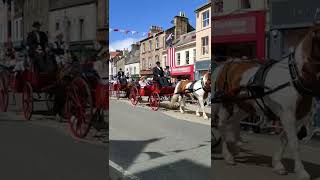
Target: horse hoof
182 112
205 117
198 115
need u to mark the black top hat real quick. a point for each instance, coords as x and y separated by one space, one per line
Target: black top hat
157 62
36 24
120 69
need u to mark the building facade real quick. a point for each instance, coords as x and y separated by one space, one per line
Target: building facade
132 64
185 52
240 28
151 50
113 58
35 10
17 23
79 29
3 27
203 40
102 22
287 28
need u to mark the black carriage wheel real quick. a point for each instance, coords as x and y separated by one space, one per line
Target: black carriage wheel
27 101
154 101
80 108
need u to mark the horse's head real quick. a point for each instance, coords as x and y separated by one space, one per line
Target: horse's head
311 52
207 80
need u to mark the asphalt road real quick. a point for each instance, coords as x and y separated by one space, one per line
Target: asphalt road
152 145
254 162
44 149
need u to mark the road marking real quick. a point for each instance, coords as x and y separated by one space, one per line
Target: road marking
121 173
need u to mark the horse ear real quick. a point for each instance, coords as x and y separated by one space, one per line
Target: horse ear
316 19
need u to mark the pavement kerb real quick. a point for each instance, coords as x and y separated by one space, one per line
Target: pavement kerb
118 173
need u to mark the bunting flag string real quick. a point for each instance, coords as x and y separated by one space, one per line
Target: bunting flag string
127 32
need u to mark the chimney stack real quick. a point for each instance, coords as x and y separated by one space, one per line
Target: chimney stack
181 24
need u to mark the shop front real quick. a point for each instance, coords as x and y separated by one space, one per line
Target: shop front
201 67
182 72
240 35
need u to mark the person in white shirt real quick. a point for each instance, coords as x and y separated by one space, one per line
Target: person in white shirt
142 81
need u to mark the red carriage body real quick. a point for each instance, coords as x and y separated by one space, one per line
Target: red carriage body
154 92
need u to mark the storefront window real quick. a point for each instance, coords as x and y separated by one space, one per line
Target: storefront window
194 55
205 19
134 70
178 59
205 45
187 57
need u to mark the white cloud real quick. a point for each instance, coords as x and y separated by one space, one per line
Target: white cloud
121 44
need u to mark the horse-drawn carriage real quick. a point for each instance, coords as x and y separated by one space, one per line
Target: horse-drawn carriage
84 98
120 88
154 92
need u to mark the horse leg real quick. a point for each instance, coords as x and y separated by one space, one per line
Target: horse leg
201 104
198 111
181 98
276 159
289 125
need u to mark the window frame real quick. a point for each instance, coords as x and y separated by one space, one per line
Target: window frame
187 57
205 19
178 59
205 45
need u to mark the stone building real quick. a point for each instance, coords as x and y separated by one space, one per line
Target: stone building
203 40
151 50
132 64
79 29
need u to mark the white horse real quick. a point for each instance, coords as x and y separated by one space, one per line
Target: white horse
196 89
295 80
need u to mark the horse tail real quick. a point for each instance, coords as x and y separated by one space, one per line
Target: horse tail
176 93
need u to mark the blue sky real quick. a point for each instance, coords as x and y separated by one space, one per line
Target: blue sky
139 15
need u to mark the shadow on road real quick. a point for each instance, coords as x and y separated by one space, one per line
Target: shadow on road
125 152
250 158
182 169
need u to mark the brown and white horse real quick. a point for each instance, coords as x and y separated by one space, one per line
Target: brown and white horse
297 80
196 89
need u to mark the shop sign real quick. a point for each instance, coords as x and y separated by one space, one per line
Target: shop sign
235 26
292 13
184 69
